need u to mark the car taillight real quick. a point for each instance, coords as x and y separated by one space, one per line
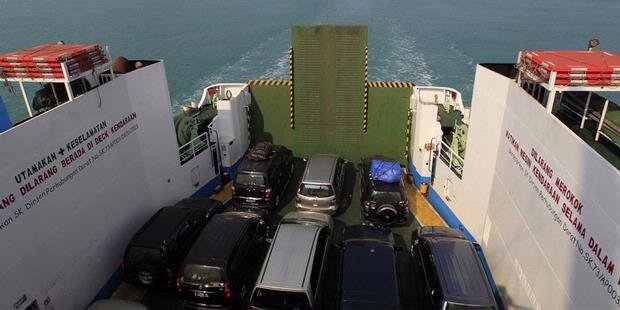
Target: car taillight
297 198
366 204
268 193
333 202
232 189
227 291
179 289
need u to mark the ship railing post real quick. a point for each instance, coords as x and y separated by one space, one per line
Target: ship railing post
65 73
26 102
602 120
585 111
552 92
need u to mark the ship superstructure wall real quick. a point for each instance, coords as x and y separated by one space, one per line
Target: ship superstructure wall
78 181
541 202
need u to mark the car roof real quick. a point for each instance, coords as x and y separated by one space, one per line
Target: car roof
249 165
218 239
369 276
460 272
288 262
320 169
367 233
160 226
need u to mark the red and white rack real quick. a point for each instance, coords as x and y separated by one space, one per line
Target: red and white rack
54 63
560 71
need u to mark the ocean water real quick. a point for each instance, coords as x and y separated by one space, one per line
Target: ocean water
436 42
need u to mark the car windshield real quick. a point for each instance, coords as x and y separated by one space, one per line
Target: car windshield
202 274
314 190
250 179
450 306
385 197
270 299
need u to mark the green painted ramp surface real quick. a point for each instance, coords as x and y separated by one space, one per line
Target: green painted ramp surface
329 83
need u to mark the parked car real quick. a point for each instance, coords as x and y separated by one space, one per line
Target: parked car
155 252
321 186
383 203
215 271
262 182
293 273
368 278
450 270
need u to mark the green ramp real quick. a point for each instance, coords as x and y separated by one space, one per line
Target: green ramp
329 82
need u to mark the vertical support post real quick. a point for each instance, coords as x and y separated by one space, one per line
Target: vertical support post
600 122
26 102
54 91
585 111
550 101
552 92
65 73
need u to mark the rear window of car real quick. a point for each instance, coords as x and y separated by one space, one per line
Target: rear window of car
250 179
143 254
202 274
313 190
451 306
384 197
271 299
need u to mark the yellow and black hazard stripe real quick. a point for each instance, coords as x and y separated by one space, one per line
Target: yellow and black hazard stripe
269 83
290 90
365 121
391 84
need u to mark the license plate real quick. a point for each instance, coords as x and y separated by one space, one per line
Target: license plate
201 294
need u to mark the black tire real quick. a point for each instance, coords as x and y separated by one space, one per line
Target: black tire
146 275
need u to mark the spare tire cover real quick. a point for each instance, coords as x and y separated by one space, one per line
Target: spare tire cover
387 213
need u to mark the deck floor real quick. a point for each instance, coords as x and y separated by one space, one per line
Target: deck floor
350 214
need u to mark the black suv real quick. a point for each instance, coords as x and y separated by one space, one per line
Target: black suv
155 252
383 203
368 278
261 181
215 272
450 271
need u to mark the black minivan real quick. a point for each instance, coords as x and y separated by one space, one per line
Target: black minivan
450 270
261 182
156 251
215 273
368 278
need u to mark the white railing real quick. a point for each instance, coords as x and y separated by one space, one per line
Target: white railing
194 147
224 91
452 159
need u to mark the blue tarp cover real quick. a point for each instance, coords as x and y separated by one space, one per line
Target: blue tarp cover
386 171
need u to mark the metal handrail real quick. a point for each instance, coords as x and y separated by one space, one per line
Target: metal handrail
452 159
194 147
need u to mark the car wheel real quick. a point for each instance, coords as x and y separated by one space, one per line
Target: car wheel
146 276
387 214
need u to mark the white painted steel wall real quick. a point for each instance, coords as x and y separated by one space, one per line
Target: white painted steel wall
232 125
69 241
425 127
538 257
